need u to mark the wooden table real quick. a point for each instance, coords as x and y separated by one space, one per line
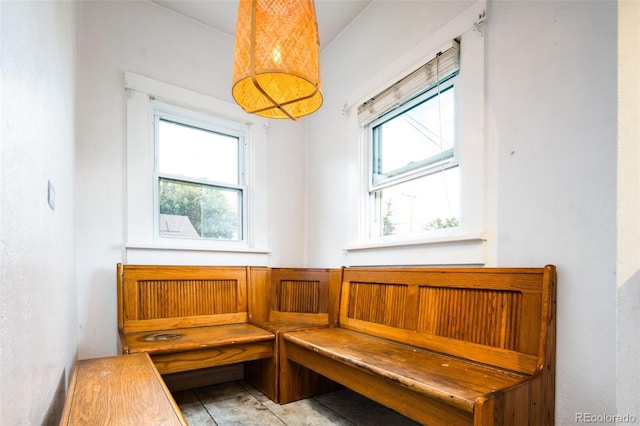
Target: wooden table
120 390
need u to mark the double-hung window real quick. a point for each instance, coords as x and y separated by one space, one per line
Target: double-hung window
420 165
200 178
196 177
410 130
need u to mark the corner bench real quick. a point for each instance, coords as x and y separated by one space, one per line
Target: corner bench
442 346
290 299
188 317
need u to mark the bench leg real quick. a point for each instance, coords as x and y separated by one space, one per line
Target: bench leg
297 382
262 374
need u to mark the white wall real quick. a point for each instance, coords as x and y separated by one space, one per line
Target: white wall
551 138
145 39
628 219
287 199
38 309
553 128
551 141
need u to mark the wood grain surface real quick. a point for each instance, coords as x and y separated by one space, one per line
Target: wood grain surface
122 390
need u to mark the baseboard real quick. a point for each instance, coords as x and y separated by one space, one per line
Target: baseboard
203 377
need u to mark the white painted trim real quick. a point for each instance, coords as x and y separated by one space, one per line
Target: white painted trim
140 234
460 250
417 56
142 254
195 247
418 242
189 99
466 245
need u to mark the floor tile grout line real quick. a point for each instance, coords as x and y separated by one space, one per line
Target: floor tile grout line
342 416
205 408
274 414
265 407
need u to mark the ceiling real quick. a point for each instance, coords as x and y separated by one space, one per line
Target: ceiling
332 15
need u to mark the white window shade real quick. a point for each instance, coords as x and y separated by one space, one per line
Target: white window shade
445 64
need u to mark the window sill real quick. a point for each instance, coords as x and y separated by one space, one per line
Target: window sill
172 253
467 249
194 247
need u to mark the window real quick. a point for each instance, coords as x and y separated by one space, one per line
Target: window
413 184
420 167
200 179
196 177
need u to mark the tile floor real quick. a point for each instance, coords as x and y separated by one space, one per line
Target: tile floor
238 403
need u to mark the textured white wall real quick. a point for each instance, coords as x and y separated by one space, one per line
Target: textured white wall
628 220
38 310
551 127
551 141
552 101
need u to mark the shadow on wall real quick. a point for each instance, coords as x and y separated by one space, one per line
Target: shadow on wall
628 347
57 403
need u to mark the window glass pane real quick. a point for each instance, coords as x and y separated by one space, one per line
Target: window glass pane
199 211
423 204
418 137
197 153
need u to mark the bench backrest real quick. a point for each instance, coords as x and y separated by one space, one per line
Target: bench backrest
152 298
503 317
294 295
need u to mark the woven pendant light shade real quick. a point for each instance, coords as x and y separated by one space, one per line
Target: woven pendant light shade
276 70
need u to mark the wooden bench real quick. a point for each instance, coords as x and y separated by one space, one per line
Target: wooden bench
188 317
288 299
442 346
121 390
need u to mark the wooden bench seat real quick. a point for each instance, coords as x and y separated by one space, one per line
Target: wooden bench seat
185 339
120 390
442 346
188 317
182 349
425 372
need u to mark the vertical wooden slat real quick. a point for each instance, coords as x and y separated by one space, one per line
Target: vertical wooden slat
503 320
517 318
484 413
517 406
547 349
334 295
349 294
482 315
241 301
486 317
298 296
259 292
410 316
373 302
120 295
178 298
378 303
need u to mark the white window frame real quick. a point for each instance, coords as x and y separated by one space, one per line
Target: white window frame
419 172
143 244
465 245
187 117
